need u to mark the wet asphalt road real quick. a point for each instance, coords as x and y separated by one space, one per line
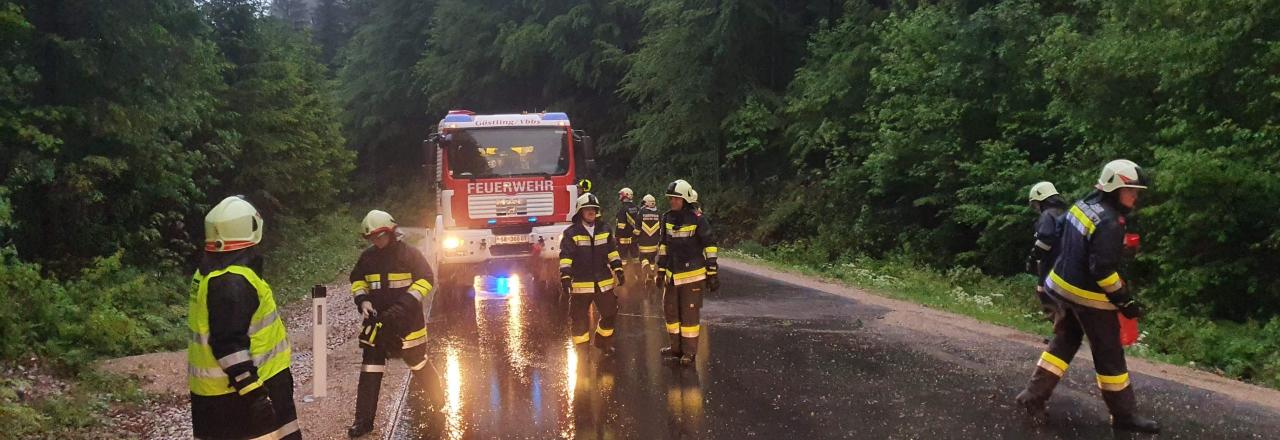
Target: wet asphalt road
776 361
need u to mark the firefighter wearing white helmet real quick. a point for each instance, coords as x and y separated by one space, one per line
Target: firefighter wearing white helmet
238 358
626 224
590 269
1089 290
390 283
687 264
648 233
1049 207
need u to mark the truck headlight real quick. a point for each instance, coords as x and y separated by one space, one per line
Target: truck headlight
452 243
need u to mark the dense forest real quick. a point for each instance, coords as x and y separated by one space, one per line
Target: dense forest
845 129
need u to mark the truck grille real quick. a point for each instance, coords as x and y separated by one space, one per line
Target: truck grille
518 205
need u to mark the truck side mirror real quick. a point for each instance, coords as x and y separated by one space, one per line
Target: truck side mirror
589 151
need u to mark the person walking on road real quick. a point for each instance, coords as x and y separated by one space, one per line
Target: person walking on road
687 269
590 268
390 284
626 219
239 356
1050 206
1089 291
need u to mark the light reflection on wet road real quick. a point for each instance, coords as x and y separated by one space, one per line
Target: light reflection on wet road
776 361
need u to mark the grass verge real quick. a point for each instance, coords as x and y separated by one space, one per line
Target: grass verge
1248 351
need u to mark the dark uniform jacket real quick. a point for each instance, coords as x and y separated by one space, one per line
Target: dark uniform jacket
397 275
589 259
649 230
1048 234
1092 247
687 249
628 216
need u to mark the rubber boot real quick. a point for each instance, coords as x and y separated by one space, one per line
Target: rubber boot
366 404
672 351
605 344
1037 393
1124 412
689 350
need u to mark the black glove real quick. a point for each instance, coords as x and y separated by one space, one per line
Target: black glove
713 282
622 277
662 277
1033 264
566 284
1129 307
262 415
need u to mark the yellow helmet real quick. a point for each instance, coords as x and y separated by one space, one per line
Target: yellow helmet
378 222
680 189
626 194
584 185
232 225
1041 191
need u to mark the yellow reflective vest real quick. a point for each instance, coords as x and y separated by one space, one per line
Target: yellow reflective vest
268 342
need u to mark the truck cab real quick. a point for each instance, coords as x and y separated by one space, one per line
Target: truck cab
507 187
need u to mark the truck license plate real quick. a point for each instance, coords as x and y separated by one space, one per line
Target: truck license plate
512 239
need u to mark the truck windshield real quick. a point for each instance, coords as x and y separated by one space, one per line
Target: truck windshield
497 152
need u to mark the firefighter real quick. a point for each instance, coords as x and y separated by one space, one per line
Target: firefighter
590 267
693 202
1089 292
1046 201
238 357
390 283
625 231
649 231
687 265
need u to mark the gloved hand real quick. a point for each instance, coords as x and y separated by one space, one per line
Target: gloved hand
662 277
367 311
1033 264
713 282
566 284
621 276
262 415
1129 307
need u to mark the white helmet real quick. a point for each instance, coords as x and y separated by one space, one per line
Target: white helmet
232 225
626 194
1041 191
680 189
693 196
650 201
377 223
588 200
1121 173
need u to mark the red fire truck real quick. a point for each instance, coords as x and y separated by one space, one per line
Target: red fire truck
507 187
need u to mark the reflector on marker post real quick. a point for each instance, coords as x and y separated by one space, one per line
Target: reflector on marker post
319 341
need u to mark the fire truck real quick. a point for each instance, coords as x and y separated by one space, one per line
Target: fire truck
507 186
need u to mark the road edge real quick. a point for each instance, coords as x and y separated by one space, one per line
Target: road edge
920 317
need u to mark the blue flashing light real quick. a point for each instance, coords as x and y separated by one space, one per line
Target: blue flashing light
533 219
556 116
502 286
458 118
493 221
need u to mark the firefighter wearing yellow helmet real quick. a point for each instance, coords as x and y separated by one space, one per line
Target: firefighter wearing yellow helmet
648 232
687 265
626 224
238 357
590 268
1050 207
1089 290
390 284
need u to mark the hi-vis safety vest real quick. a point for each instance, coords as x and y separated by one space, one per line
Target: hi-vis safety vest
268 341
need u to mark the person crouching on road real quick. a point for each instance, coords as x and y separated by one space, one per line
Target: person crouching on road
238 357
648 234
590 267
1046 201
1089 291
390 283
687 265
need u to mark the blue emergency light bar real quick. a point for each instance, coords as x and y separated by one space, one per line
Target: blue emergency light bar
493 221
556 116
456 117
533 219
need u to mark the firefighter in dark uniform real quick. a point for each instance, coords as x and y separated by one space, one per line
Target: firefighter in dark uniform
390 283
649 231
1050 206
1089 292
590 268
238 357
626 219
687 268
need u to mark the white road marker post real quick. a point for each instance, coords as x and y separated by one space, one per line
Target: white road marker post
319 341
